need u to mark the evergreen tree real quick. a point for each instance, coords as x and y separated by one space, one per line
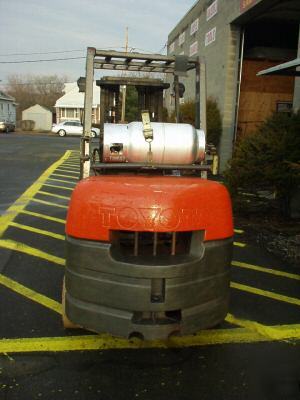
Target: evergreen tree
269 159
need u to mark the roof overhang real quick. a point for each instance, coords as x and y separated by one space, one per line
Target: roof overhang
288 69
274 10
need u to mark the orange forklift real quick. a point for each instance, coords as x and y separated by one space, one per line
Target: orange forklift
148 237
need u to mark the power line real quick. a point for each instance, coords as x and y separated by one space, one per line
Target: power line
65 58
55 52
37 53
32 83
162 48
35 61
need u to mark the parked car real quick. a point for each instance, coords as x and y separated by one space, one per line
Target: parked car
72 128
7 126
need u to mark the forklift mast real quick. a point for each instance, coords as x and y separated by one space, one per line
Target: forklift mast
150 91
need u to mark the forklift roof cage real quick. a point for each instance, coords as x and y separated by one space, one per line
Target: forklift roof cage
138 62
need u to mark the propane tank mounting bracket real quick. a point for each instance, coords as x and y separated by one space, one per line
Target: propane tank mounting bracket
147 131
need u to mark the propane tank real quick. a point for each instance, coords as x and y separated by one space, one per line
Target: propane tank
172 143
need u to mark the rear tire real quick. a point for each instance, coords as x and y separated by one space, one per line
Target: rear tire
66 322
61 133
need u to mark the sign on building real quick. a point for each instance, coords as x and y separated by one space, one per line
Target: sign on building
210 36
181 38
212 10
194 48
245 4
194 26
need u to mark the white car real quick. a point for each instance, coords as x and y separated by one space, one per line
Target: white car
72 128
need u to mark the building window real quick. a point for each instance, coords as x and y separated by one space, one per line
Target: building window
94 112
284 106
172 47
212 10
181 38
194 48
194 26
210 36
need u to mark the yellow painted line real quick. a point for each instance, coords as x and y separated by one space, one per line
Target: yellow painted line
58 196
239 244
43 216
30 294
57 186
69 164
106 342
279 332
32 251
266 270
67 170
61 180
65 176
48 203
238 231
73 169
265 293
26 197
36 230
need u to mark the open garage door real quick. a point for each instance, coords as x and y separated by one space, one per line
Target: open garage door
271 35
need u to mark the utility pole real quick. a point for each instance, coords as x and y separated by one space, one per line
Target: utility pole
124 87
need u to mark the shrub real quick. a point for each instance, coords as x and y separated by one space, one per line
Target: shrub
131 110
268 159
214 122
213 118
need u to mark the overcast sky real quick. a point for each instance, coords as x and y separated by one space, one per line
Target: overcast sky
44 26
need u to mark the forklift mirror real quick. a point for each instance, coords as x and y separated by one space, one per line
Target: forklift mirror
181 89
81 84
181 65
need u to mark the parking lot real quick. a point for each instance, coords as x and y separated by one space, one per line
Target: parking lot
253 353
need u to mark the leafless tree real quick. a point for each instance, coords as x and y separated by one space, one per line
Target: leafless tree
29 90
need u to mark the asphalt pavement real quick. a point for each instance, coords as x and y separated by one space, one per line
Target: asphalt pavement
254 354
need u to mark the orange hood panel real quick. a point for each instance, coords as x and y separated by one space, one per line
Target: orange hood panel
148 203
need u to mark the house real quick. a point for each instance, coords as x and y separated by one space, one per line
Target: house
71 104
7 108
40 115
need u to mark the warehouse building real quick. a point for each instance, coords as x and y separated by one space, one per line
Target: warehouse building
237 39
